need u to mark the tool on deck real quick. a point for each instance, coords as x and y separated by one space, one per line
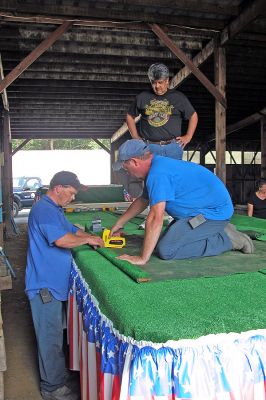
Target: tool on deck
12 272
113 241
96 225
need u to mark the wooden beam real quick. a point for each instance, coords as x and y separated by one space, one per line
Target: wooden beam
249 14
237 25
199 59
20 146
99 17
220 113
4 94
182 56
102 145
7 176
250 120
263 147
24 64
122 130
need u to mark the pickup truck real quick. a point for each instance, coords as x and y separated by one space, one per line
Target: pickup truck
24 189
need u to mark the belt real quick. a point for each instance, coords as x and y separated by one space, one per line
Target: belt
160 142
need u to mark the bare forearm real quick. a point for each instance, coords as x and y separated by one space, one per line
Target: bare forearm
70 240
153 229
250 210
192 125
132 127
138 205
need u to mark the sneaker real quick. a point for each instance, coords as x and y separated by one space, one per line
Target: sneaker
62 393
239 240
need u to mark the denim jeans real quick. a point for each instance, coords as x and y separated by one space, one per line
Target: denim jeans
180 241
49 328
171 150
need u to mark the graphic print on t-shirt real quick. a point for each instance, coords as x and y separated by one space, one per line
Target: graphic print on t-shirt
158 112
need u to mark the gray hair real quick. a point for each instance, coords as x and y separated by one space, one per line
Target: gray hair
158 71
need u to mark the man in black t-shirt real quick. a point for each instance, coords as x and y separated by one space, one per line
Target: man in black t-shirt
162 111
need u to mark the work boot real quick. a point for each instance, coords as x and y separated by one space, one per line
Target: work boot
62 393
239 240
72 381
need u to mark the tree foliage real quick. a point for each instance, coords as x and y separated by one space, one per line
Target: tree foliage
60 144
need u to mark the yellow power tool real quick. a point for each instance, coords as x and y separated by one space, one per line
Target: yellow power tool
113 241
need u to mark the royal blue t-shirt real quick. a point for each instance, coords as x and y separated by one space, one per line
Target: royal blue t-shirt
48 266
188 189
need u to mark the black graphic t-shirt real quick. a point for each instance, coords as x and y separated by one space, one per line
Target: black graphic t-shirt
161 116
259 206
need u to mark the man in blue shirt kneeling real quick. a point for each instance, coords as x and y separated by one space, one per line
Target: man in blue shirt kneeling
197 200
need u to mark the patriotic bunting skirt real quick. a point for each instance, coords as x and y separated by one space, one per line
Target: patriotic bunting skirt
112 366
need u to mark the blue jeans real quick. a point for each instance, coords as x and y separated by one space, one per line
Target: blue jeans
180 241
171 150
49 327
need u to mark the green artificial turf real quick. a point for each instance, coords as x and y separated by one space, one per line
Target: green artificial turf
254 227
179 308
108 220
157 269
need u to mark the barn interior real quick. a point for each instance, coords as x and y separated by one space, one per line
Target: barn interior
70 69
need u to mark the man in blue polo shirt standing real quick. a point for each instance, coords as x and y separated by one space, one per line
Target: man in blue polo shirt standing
197 200
49 260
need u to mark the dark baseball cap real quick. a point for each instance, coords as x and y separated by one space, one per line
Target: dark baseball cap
131 148
65 178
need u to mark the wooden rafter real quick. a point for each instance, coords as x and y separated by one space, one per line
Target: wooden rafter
102 145
36 53
20 146
122 130
250 120
101 23
4 94
248 15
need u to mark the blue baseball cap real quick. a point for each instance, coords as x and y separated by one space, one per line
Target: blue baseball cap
129 149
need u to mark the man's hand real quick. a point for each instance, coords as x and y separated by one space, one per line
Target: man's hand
116 230
95 241
183 140
137 260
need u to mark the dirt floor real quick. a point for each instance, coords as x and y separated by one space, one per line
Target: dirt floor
21 380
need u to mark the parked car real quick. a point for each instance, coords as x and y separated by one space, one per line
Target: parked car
40 192
24 190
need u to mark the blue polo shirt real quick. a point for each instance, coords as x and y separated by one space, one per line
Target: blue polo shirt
48 266
188 189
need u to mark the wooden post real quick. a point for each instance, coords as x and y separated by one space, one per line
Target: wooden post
7 175
220 112
203 152
112 160
263 147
